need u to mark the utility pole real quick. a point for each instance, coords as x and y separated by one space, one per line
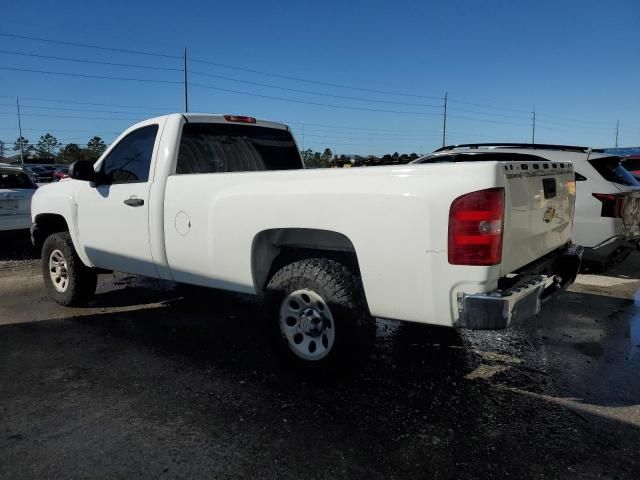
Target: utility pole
20 131
533 125
444 121
186 97
302 136
617 129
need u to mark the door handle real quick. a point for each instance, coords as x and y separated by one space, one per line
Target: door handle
134 202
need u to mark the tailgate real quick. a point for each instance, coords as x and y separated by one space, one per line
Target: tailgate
539 204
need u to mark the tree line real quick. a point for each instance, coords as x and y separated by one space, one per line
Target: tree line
48 147
327 159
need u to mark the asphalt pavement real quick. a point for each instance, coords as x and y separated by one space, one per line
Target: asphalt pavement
147 383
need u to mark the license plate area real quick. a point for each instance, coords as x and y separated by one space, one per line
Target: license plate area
549 187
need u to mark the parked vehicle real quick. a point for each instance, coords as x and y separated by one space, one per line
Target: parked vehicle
224 202
632 164
39 174
607 214
16 190
60 173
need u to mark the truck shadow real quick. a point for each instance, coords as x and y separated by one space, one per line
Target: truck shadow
16 245
412 408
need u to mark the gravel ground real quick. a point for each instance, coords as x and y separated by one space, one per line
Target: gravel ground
144 383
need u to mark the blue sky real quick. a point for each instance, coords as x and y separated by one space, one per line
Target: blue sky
577 62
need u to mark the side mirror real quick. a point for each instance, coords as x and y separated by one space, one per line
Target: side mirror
82 170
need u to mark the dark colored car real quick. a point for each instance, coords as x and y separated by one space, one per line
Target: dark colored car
39 174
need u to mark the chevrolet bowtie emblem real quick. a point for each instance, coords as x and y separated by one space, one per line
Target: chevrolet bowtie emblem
549 214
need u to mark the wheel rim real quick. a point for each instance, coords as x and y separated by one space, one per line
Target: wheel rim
307 325
58 271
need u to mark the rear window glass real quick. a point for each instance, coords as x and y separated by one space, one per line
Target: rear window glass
219 147
632 165
15 180
611 169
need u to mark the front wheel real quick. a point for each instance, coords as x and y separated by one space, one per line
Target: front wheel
319 318
68 281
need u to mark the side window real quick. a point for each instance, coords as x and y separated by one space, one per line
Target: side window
580 178
130 160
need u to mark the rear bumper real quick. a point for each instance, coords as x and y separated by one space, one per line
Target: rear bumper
525 293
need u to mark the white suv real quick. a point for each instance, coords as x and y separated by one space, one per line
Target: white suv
607 212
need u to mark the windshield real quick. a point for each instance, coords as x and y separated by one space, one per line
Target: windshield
611 169
11 179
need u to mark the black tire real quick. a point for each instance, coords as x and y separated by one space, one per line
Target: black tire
355 329
81 280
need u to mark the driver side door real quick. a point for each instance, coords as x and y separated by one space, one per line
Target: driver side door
113 215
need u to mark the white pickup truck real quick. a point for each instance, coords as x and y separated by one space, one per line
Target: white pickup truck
223 201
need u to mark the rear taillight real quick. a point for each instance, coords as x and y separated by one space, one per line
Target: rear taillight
475 228
612 204
239 119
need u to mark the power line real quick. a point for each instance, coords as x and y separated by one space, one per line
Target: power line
235 67
243 69
501 115
71 109
95 62
85 45
488 106
362 140
365 134
58 130
291 100
591 122
119 105
316 82
486 120
83 75
368 139
311 92
67 116
221 77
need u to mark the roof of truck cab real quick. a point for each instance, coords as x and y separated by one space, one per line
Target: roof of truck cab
219 118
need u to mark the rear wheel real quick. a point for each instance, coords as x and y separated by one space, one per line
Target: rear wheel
318 315
68 281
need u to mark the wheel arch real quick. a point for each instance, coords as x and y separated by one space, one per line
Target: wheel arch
274 248
46 224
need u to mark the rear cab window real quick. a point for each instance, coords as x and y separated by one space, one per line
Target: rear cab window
611 169
221 147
